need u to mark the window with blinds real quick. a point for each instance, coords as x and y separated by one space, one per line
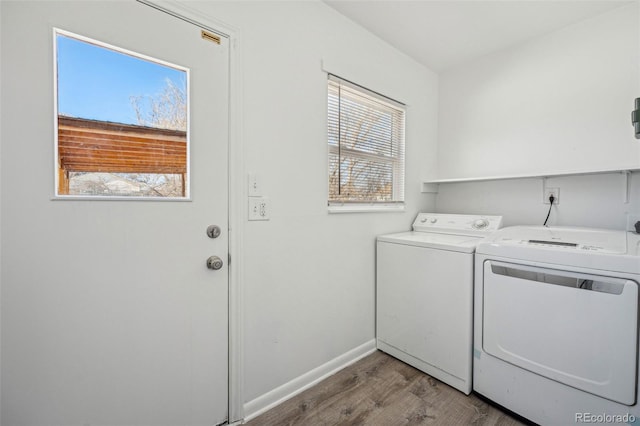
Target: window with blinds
366 145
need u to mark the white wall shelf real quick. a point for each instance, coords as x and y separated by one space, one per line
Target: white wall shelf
431 186
530 176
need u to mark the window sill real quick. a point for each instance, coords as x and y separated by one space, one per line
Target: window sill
366 208
117 198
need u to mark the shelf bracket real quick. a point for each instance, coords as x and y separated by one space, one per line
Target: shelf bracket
625 186
429 188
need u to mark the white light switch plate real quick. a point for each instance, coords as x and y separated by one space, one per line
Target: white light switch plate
254 189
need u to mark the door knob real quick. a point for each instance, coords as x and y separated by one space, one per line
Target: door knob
214 262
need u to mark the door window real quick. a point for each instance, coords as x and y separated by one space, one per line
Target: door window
122 122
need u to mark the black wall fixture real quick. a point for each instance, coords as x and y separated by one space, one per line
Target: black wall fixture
635 118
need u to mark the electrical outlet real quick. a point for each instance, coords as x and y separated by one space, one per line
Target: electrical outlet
549 192
259 208
254 189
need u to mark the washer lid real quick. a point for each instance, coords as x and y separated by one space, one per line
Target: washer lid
461 243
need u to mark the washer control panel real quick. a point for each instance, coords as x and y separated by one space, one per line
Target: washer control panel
456 223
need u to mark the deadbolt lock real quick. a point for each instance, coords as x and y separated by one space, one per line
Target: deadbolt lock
213 231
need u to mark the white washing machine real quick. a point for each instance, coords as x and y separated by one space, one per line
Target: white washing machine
556 323
424 296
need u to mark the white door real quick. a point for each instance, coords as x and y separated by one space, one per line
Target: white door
109 313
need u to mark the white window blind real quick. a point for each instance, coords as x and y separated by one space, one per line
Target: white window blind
366 145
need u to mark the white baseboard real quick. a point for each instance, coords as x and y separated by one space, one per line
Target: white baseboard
301 383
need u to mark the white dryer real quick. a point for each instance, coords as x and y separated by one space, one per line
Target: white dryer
424 296
556 323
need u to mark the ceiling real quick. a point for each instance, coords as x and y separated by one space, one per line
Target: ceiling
445 33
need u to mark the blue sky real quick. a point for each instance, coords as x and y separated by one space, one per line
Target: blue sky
97 83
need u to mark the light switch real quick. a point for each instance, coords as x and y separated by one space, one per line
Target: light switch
254 190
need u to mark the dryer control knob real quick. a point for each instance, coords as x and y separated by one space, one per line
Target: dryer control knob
480 223
433 220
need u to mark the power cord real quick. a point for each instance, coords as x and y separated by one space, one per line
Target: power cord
551 199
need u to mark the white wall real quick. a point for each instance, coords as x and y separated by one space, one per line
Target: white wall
561 102
309 276
557 103
590 200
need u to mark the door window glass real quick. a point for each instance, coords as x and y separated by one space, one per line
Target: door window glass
122 122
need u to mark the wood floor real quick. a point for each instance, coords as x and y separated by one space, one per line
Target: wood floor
381 391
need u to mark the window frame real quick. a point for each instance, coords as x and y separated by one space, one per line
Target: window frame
397 163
